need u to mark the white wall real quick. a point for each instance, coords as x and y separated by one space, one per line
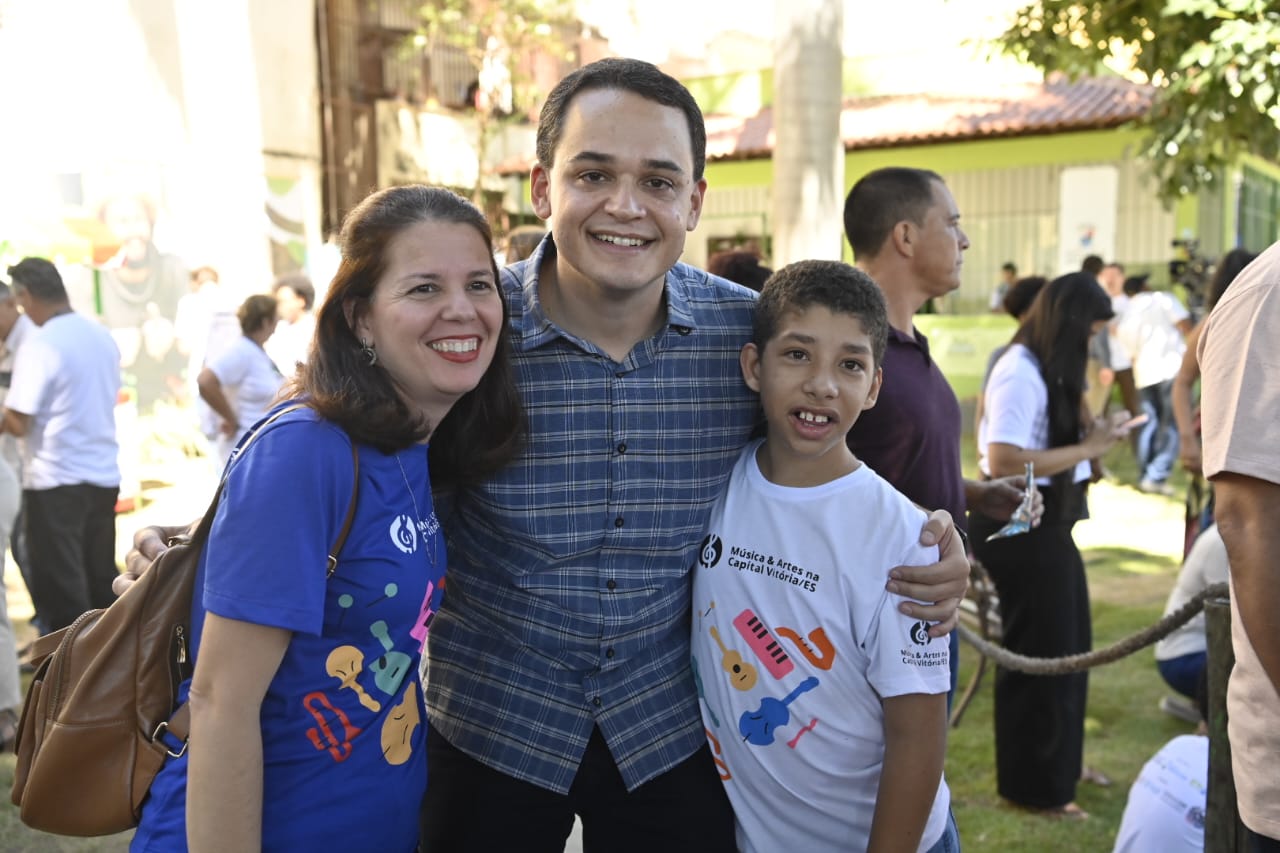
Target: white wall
192 103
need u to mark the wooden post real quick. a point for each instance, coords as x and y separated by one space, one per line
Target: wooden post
1222 828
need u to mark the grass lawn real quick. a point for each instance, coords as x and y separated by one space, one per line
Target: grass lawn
1132 547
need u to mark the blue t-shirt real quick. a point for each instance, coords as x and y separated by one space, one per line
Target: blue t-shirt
343 733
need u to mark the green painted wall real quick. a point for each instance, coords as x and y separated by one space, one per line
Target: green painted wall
1084 147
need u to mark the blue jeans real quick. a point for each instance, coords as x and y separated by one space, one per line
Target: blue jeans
950 840
1158 440
1183 672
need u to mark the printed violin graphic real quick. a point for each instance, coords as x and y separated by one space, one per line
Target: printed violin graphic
757 727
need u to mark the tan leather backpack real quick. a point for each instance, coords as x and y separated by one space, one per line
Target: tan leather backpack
90 738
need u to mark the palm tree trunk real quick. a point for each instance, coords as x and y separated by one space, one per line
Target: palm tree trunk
808 156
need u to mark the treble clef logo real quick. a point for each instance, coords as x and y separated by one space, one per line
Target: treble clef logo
711 550
404 534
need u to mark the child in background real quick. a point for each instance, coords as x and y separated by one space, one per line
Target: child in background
825 706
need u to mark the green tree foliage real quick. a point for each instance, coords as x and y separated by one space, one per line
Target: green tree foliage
501 34
1215 65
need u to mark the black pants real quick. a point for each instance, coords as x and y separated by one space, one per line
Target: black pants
472 808
1044 612
71 550
1261 843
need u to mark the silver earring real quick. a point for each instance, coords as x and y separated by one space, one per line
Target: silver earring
367 350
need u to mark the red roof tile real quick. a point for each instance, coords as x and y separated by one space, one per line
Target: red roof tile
1055 106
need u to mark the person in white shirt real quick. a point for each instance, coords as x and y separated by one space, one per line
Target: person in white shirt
240 384
14 327
824 705
1151 334
1166 808
1033 414
66 378
295 295
1182 655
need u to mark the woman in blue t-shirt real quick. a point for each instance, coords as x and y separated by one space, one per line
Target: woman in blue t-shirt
307 727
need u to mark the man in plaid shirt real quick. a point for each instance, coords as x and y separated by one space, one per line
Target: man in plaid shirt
559 678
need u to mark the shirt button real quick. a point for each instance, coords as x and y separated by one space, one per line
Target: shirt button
622 448
596 701
608 652
618 522
612 584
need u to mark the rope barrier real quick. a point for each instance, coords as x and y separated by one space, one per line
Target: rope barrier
1097 657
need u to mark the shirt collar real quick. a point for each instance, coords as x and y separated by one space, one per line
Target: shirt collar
916 339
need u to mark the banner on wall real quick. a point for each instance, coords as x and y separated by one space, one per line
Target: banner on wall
1087 201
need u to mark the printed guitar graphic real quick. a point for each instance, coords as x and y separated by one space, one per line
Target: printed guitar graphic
389 669
742 675
757 727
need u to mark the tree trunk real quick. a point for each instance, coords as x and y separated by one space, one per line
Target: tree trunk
808 156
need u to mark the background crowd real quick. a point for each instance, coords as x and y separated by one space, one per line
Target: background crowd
534 693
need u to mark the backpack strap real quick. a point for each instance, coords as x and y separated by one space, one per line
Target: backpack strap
179 724
351 514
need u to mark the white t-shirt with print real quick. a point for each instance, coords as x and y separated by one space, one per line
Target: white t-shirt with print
795 642
1166 808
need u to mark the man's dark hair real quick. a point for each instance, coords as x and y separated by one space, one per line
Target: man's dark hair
1135 284
1009 267
740 267
299 284
833 285
625 75
253 312
882 199
485 428
1092 264
39 278
522 241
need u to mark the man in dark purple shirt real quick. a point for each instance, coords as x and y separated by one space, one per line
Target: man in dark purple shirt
904 227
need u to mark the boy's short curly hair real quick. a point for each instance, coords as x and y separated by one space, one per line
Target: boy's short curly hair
836 286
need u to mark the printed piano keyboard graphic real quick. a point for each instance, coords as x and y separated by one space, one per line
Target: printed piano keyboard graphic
763 643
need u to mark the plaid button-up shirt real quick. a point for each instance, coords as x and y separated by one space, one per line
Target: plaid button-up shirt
567 605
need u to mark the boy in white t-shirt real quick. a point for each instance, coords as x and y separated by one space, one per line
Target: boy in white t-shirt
825 706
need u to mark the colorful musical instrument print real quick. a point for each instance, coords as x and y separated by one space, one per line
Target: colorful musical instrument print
397 728
813 724
766 648
721 767
345 663
758 727
702 694
825 655
390 668
321 735
742 675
